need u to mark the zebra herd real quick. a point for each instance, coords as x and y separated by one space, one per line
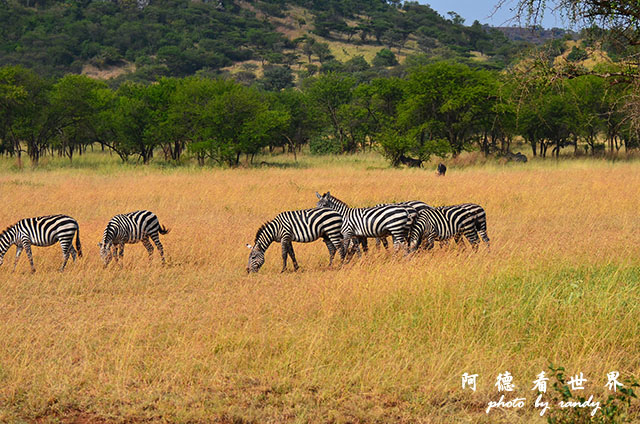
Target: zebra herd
132 227
343 229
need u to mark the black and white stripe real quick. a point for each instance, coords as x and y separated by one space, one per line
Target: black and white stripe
131 228
377 221
302 226
444 222
412 206
42 231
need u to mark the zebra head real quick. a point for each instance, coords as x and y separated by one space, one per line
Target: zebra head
324 201
256 259
422 228
7 238
105 252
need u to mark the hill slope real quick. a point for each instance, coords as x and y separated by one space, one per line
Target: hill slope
150 39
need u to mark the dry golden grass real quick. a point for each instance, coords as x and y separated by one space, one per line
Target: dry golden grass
383 339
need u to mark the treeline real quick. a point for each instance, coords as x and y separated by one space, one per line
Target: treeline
165 38
440 108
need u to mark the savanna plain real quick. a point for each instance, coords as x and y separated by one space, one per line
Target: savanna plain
384 338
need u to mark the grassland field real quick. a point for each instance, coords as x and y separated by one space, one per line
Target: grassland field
384 338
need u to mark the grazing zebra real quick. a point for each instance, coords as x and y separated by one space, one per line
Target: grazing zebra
377 221
302 226
41 231
131 227
445 222
413 207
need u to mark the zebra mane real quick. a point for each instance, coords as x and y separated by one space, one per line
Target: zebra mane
6 230
335 200
260 231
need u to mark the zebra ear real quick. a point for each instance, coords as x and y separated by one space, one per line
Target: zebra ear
318 194
249 246
328 193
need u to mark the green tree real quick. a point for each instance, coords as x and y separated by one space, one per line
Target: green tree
76 101
444 102
385 57
138 115
329 92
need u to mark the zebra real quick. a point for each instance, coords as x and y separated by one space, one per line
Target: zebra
302 226
377 221
444 222
131 228
41 231
413 207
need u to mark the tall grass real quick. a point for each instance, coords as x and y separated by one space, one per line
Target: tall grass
384 338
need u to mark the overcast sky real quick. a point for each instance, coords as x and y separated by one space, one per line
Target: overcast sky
481 10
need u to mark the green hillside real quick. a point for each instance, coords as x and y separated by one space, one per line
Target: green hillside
144 40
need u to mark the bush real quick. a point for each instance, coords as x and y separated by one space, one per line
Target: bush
385 57
324 144
577 54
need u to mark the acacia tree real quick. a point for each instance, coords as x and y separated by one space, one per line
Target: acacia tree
444 102
329 92
304 120
13 96
238 120
76 101
619 25
32 121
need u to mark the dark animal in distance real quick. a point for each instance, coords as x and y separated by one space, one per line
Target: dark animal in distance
516 157
441 170
410 162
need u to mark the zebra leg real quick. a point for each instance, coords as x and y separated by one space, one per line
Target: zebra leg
356 246
382 241
156 241
472 236
65 254
121 251
331 247
18 252
285 254
27 248
485 238
293 257
148 246
66 250
431 241
398 239
73 252
113 253
365 244
346 242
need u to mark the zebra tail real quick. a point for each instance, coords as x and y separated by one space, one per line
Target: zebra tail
163 230
78 245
